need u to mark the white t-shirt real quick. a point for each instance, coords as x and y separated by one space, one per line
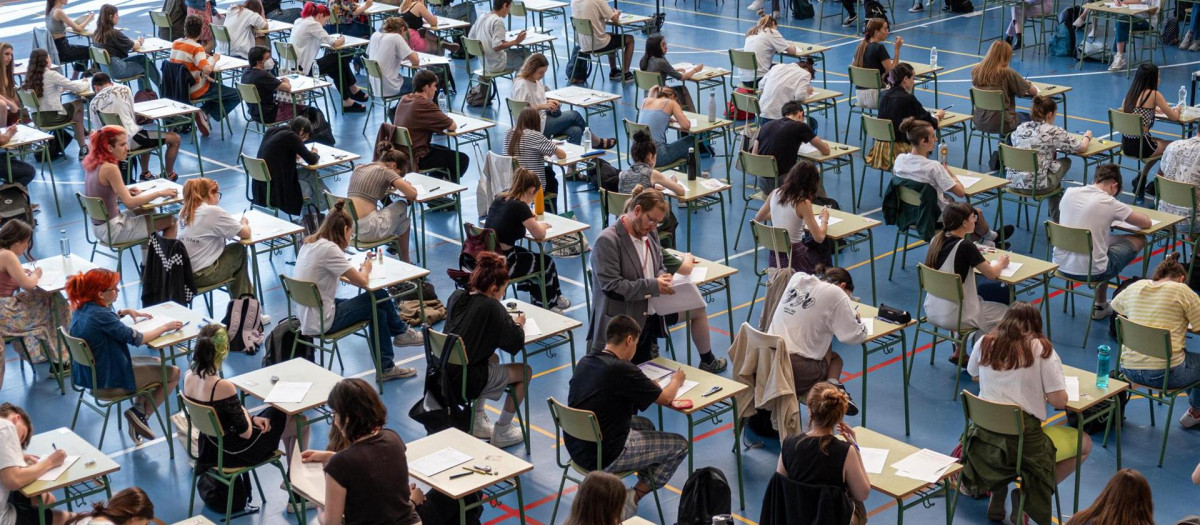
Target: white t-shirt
765 44
809 315
205 237
532 93
322 263
1094 209
390 51
307 37
11 455
783 83
489 30
116 99
925 170
598 12
1024 387
241 23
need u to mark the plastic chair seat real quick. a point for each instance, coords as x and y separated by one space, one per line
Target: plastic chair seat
345 332
109 395
206 289
237 471
479 72
1034 193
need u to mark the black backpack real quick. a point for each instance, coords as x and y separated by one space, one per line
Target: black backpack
960 6
279 343
243 316
802 10
579 67
442 405
705 494
874 9
14 204
215 494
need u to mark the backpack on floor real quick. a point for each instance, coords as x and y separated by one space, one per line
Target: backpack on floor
802 10
1099 424
243 316
442 405
960 6
705 494
14 204
279 343
215 494
579 67
874 9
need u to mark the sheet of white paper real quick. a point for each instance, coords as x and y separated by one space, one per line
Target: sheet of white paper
307 478
654 371
1011 269
807 149
968 181
288 392
1126 226
699 273
683 389
1072 383
925 465
52 280
146 325
669 191
439 461
873 459
712 184
686 297
55 472
832 220
870 324
531 327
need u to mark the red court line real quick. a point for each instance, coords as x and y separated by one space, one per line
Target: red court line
721 428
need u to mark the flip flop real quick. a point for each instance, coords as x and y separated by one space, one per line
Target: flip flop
607 143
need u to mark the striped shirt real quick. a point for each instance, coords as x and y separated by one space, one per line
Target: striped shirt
1168 305
531 152
371 182
193 57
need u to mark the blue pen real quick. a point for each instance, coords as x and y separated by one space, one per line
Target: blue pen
53 446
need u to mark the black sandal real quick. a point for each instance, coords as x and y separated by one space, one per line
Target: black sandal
607 143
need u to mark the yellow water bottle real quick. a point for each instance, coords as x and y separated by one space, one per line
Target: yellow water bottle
539 202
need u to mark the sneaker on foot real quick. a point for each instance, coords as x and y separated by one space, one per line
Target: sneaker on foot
1195 46
630 504
1118 63
615 75
916 8
1079 22
628 76
1101 311
755 5
1007 231
507 435
851 408
850 21
1188 420
138 421
131 426
398 372
560 304
715 366
1186 41
408 338
482 428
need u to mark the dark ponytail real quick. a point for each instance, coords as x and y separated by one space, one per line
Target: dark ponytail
834 275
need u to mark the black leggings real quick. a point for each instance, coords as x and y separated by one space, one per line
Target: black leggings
337 67
68 52
442 157
522 262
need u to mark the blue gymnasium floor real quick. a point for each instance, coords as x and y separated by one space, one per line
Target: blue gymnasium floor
694 36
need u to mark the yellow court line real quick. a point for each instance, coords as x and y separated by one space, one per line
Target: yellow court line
532 426
552 370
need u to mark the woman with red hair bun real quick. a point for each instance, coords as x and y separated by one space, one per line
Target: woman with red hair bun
102 179
92 295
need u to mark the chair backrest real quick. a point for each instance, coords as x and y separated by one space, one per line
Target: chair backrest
1176 193
303 293
348 206
646 80
203 417
93 207
515 107
489 240
865 78
1127 124
631 128
772 238
374 74
1020 159
761 166
880 129
987 99
100 56
1074 240
256 168
473 48
1146 340
109 119
458 352
612 203
401 138
909 196
581 26
579 424
943 285
81 353
741 59
516 11
249 93
28 100
746 102
1000 418
160 20
287 54
221 35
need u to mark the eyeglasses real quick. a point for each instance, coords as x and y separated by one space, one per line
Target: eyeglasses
113 289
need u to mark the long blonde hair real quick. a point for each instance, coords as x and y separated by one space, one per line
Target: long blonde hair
764 23
990 71
8 86
873 26
195 191
533 63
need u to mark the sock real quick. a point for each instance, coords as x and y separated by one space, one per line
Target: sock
707 357
506 418
480 408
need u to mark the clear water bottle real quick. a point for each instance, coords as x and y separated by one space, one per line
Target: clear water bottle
712 107
693 165
933 56
587 138
1182 96
943 152
1102 366
722 519
442 103
64 244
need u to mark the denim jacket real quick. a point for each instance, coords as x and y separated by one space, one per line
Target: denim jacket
109 341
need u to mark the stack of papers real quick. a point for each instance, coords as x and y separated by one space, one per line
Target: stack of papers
807 149
1009 270
288 392
307 478
531 327
713 184
1126 226
1072 383
661 375
924 465
968 181
686 297
440 461
52 280
699 273
873 459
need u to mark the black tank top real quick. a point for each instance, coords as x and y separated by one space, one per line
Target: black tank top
805 463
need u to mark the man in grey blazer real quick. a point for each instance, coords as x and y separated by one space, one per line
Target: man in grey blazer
628 270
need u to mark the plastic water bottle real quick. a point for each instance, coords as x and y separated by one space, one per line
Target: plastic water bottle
442 103
587 138
933 56
693 165
722 519
1102 366
64 244
943 152
712 107
1182 96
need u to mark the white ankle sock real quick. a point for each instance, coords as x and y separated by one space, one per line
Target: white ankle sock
506 418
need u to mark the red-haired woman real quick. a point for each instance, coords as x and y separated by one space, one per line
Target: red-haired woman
102 178
308 35
92 295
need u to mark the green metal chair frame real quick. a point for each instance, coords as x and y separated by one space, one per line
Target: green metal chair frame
1128 125
1182 194
759 167
220 35
458 357
102 59
401 138
1078 241
909 198
612 203
581 425
645 81
1156 343
331 200
988 100
748 104
633 127
257 170
474 48
775 240
93 208
583 27
112 119
249 94
879 130
1021 159
160 20
287 55
493 245
375 73
305 293
946 286
30 102
741 59
867 78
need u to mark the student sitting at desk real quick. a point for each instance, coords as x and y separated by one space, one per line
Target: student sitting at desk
917 166
644 154
117 99
784 83
269 110
205 10
529 88
995 73
654 60
600 500
370 185
1040 134
13 169
897 104
790 206
871 54
243 22
606 383
418 113
782 139
215 100
290 188
249 440
525 142
598 14
499 55
389 48
818 460
308 35
10 104
1016 364
1146 101
1143 20
48 86
119 47
764 40
1164 301
366 473
950 252
27 312
206 229
57 22
814 308
659 109
322 261
103 179
131 506
18 469
1181 163
477 316
509 215
349 18
92 295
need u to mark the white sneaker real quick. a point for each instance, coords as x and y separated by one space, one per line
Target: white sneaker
308 505
266 319
398 372
561 304
916 8
504 436
1186 41
755 5
1101 312
1188 420
408 338
1118 62
482 428
631 505
1079 22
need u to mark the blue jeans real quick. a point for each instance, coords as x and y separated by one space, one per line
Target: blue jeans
1121 253
1123 30
1194 27
229 98
1185 373
134 65
568 122
350 311
674 151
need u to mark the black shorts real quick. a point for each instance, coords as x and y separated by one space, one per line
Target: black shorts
27 510
615 42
